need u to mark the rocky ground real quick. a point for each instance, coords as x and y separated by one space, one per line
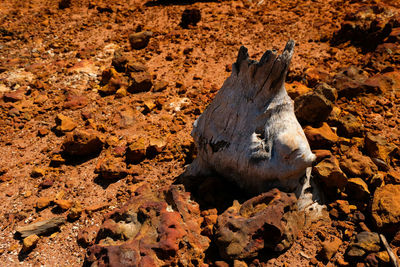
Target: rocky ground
97 103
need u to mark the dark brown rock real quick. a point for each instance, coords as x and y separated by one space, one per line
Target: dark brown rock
63 4
312 108
190 17
330 246
322 137
365 242
140 40
140 82
82 143
267 221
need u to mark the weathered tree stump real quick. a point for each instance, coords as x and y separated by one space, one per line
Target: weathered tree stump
249 133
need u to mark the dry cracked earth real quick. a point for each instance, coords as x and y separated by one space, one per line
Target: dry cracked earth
97 102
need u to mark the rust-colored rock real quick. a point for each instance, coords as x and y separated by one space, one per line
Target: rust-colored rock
64 124
152 229
322 137
140 40
82 143
296 89
330 174
386 208
30 242
136 151
377 147
330 247
354 164
267 221
63 204
111 168
43 202
140 82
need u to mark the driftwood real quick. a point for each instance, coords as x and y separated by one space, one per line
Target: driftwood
249 133
40 228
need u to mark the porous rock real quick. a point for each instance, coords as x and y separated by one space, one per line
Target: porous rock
159 228
355 164
386 208
267 221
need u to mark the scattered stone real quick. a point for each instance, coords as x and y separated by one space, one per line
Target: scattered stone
160 86
63 204
365 242
357 189
330 246
321 154
296 89
136 151
367 27
312 108
238 263
46 183
43 202
111 82
37 172
355 164
30 242
43 132
383 257
111 168
119 61
82 143
267 221
75 102
392 177
322 137
330 174
349 82
13 96
63 4
377 147
149 231
348 125
140 82
156 146
75 211
190 17
386 208
64 124
41 227
140 40
328 91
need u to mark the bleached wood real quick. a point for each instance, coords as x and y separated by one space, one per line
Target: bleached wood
249 133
